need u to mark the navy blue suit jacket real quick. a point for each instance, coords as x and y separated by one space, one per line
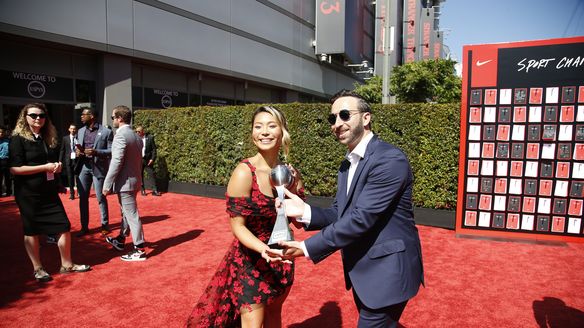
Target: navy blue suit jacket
374 227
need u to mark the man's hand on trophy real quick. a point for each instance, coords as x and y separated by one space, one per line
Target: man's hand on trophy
294 205
290 249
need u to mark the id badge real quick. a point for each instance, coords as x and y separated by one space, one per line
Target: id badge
73 155
50 176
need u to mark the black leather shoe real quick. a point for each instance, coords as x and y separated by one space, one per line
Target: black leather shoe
82 233
155 193
143 192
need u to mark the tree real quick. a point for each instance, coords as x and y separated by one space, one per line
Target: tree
371 90
426 81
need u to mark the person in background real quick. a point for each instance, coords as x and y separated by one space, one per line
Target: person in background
124 178
93 156
34 163
68 157
148 158
5 178
371 219
248 289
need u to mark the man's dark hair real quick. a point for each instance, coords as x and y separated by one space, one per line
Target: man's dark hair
124 113
362 104
91 110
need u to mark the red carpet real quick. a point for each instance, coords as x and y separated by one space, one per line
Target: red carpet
469 283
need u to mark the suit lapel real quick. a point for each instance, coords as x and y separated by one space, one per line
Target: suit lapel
362 163
342 183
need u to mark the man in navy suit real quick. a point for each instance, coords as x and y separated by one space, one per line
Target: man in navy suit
68 157
94 152
371 219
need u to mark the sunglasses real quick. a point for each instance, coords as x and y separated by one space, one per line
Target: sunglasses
35 116
113 117
344 114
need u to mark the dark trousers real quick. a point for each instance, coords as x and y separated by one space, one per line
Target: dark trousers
70 172
379 318
5 177
151 174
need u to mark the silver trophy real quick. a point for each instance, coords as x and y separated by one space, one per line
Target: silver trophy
280 177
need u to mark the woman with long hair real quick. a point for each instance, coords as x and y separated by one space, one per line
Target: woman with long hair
34 163
248 289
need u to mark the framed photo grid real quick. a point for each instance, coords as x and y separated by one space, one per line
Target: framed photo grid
522 142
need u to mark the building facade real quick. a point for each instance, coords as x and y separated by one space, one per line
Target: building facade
158 54
169 53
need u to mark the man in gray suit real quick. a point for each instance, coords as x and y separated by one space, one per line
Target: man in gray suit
125 178
93 154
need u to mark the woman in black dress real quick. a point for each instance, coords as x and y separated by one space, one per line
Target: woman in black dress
34 163
248 288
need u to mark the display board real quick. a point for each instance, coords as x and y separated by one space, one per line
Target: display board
521 169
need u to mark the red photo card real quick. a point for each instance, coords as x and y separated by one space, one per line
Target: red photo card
567 114
519 114
516 168
488 150
470 218
513 221
575 207
491 97
532 151
473 167
535 95
563 170
475 115
545 187
558 224
485 202
503 132
581 94
500 186
529 204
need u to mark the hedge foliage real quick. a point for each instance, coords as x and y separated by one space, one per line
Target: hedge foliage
204 144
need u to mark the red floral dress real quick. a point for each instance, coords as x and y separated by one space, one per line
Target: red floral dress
243 276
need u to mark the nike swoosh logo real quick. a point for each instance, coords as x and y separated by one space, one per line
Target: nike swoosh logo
481 63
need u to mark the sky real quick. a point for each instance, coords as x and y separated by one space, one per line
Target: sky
470 22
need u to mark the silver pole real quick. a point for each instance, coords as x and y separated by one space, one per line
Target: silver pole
387 48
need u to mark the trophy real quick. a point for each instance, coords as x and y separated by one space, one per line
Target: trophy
280 177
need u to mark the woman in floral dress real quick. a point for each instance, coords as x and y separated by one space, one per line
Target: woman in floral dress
248 289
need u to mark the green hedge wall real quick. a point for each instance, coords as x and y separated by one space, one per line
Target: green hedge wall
204 144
